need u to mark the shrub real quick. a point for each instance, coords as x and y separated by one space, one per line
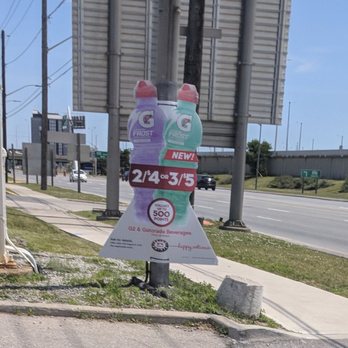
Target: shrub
283 182
309 184
225 179
289 182
344 187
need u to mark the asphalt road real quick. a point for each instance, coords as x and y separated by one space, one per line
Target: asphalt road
19 331
318 223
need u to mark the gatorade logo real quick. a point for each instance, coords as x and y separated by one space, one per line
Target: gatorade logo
184 122
146 119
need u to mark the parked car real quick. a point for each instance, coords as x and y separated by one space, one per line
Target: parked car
205 181
74 176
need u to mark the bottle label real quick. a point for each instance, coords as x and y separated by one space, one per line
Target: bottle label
181 155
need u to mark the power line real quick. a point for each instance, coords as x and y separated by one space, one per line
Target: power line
22 18
61 75
24 106
3 24
33 97
60 68
26 49
61 3
14 11
26 103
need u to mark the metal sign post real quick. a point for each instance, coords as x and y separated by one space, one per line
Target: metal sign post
167 54
245 68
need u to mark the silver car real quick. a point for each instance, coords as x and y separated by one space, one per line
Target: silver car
74 176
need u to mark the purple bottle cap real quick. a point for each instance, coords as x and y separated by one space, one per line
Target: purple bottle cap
145 89
188 93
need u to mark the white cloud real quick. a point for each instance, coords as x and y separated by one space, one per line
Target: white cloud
306 66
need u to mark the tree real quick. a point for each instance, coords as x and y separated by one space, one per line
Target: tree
252 155
124 158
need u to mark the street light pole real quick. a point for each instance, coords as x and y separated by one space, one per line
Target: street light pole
258 158
300 138
287 130
19 89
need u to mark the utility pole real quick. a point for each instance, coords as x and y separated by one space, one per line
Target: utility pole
166 77
4 257
242 113
193 51
113 159
4 116
44 125
194 44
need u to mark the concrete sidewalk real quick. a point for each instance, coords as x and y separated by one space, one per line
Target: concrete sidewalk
297 307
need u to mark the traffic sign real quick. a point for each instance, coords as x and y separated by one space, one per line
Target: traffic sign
101 154
310 173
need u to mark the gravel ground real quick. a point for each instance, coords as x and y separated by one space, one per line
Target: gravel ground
62 279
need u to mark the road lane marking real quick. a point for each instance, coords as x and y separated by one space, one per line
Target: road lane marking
280 210
203 206
223 202
268 218
343 208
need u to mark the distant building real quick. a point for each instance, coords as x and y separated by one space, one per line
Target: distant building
59 124
56 123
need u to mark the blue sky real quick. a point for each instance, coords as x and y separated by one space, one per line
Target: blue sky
316 78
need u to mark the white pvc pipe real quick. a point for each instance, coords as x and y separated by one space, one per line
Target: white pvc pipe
25 253
3 224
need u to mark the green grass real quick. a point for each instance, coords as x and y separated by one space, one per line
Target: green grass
65 193
319 269
262 185
223 180
296 262
93 215
29 232
286 259
105 285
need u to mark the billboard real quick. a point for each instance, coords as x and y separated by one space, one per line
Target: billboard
220 60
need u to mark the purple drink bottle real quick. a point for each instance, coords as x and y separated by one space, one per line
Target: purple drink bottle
145 131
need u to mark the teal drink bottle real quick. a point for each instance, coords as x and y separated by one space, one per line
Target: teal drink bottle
183 132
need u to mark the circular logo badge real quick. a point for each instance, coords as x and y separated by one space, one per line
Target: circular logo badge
146 119
184 122
161 212
160 245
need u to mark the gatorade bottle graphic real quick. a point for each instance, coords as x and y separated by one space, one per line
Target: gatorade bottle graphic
183 134
145 131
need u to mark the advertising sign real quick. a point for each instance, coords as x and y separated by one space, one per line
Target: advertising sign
220 59
160 224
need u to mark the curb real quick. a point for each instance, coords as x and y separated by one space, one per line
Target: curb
234 330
